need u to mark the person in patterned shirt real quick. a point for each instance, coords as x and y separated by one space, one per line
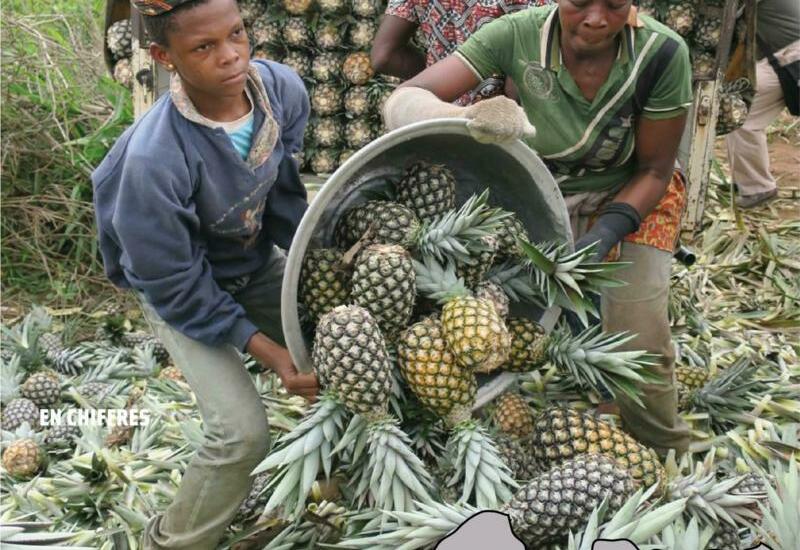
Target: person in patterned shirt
443 27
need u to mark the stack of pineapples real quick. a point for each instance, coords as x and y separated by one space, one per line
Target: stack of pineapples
327 42
700 24
119 40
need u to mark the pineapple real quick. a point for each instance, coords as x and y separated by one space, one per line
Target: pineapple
688 379
64 360
265 32
525 334
491 292
141 340
326 99
356 101
707 33
323 161
448 390
362 33
324 281
561 434
455 234
345 155
255 498
329 34
680 16
358 133
119 435
703 63
326 66
119 39
19 411
296 7
733 111
172 373
327 132
331 6
43 388
62 436
96 392
510 232
365 8
472 328
517 457
545 510
726 537
350 358
23 458
357 68
123 72
299 62
296 33
429 190
251 10
513 416
475 272
384 284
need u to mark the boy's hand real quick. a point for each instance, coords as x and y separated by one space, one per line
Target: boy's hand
277 358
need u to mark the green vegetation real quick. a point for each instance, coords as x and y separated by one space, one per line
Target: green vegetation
61 112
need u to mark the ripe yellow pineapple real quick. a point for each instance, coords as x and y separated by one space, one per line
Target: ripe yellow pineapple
357 68
561 434
23 458
513 416
296 7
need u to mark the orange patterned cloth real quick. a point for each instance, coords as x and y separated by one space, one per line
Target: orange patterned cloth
661 228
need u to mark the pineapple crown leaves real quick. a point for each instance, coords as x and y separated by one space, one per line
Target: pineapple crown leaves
392 476
728 394
458 234
439 282
679 535
638 520
300 454
12 377
23 338
780 525
517 282
23 431
591 360
484 477
31 534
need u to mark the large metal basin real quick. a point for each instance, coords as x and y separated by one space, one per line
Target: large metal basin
518 180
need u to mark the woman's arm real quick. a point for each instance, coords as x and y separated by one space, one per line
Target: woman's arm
448 79
657 144
392 52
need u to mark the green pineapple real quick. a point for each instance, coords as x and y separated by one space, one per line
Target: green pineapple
251 10
326 66
296 7
384 284
62 436
733 111
428 189
345 155
43 388
475 272
358 133
332 6
324 281
19 411
266 32
366 8
680 16
707 33
703 63
119 39
508 235
255 498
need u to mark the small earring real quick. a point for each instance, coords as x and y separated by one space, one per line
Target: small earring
170 67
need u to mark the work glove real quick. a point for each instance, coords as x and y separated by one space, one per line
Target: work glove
496 120
617 220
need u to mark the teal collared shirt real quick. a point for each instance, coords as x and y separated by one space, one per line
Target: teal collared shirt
588 145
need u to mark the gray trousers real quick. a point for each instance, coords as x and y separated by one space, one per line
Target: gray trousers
642 307
217 478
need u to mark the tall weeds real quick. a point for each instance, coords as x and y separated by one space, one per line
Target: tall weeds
60 113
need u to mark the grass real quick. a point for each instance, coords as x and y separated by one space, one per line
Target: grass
61 112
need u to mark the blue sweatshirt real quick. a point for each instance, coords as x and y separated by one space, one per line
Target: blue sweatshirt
178 210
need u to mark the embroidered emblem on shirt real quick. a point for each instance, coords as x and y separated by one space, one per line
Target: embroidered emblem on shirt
539 81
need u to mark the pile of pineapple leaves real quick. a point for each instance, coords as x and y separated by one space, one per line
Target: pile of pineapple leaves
741 299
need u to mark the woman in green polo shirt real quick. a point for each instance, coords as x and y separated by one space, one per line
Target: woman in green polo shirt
604 95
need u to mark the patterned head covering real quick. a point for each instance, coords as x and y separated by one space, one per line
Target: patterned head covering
157 7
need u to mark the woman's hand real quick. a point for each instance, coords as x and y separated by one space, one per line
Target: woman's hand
277 358
498 120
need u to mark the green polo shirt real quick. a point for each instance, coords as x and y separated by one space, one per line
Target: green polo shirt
588 145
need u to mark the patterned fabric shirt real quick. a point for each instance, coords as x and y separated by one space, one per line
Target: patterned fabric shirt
446 24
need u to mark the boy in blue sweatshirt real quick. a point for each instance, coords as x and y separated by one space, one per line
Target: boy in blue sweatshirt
192 203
